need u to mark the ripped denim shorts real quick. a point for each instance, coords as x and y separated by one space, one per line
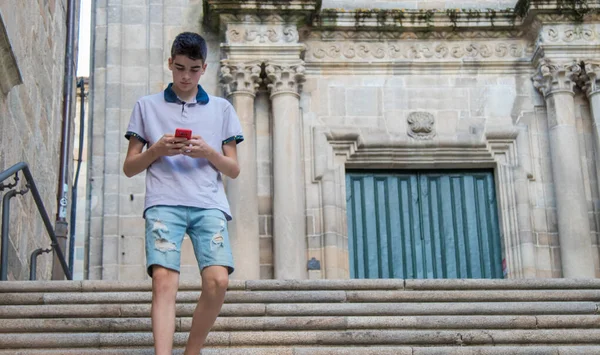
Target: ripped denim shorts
167 225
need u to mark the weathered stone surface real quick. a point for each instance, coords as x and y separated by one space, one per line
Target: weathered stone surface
32 48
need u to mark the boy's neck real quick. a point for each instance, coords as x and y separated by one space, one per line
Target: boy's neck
186 96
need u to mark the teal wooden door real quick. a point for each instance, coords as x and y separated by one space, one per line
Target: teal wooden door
423 225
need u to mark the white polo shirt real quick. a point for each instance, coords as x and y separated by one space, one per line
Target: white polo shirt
181 180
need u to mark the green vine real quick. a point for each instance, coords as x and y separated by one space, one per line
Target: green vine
453 16
491 15
398 16
575 8
427 16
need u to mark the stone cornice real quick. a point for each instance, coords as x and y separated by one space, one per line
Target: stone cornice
9 69
553 77
240 78
457 23
219 13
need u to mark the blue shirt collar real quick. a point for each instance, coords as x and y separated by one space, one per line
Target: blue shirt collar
171 96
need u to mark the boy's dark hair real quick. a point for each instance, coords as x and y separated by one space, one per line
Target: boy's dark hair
189 44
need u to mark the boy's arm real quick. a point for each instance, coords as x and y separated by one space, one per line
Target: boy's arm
226 163
138 160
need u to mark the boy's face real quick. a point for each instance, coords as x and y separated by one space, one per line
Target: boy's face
186 72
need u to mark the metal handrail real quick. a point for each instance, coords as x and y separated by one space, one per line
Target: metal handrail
14 170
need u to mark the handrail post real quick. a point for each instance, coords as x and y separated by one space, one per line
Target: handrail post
5 230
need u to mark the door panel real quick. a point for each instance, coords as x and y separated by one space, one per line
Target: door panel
423 225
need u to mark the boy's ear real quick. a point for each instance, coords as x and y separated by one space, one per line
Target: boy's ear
170 63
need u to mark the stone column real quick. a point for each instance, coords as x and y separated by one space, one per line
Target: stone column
241 82
591 86
556 82
289 211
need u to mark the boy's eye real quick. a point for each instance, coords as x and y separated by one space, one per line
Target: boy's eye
195 70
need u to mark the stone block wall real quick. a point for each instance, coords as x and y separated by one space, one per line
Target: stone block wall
30 121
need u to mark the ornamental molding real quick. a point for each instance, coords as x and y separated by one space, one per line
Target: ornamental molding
240 78
421 125
553 77
590 77
318 52
285 78
376 36
565 34
261 34
254 19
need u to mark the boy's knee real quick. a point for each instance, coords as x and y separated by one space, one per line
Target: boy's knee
216 281
164 280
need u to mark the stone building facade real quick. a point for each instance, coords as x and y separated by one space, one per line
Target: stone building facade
326 88
32 51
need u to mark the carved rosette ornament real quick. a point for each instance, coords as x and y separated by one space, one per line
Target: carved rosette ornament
239 78
285 78
591 77
421 125
556 77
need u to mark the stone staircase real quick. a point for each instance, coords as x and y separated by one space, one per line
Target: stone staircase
416 317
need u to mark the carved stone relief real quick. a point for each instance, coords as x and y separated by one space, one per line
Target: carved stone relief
421 125
590 78
260 34
552 76
240 77
398 50
284 78
570 33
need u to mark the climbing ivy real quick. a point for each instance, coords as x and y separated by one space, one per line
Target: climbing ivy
575 8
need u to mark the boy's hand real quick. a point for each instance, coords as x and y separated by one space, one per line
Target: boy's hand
197 148
168 145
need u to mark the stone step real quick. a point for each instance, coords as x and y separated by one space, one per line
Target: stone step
309 309
378 337
306 323
310 285
38 298
312 317
379 350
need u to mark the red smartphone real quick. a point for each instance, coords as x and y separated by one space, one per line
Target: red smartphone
183 133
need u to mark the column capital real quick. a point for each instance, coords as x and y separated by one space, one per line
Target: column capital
240 78
553 77
285 78
590 78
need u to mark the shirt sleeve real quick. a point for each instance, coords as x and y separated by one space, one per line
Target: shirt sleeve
232 130
136 125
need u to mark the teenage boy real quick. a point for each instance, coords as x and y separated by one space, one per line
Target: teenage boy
184 189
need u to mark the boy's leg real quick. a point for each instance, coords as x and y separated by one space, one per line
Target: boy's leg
208 232
214 284
165 228
164 292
